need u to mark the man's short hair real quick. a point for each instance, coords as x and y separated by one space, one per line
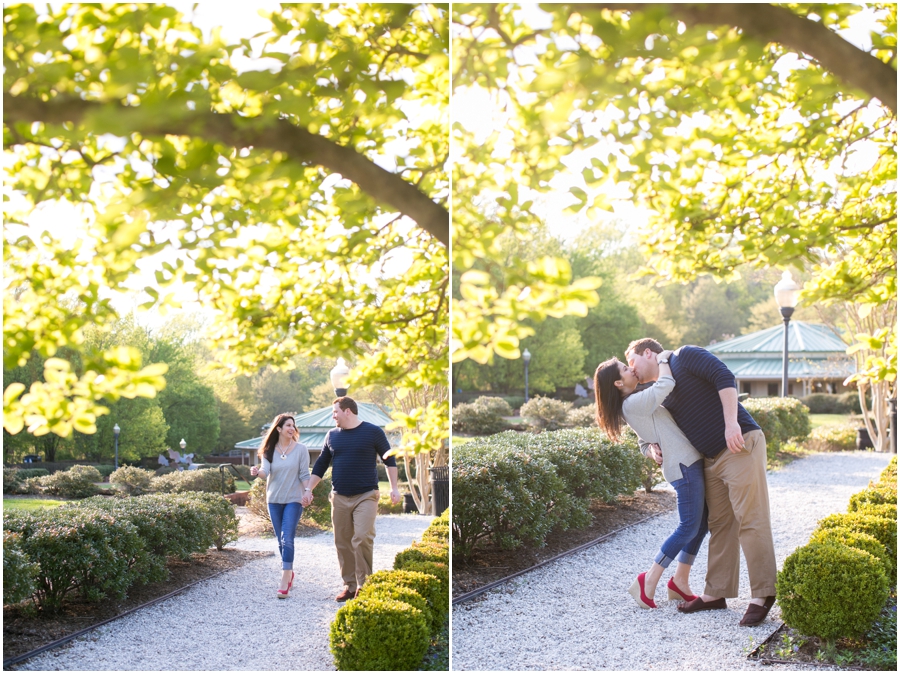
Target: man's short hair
346 403
638 346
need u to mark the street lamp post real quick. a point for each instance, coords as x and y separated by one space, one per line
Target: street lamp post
116 430
526 356
787 292
339 375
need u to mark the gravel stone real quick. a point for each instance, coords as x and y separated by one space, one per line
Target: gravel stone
234 621
575 614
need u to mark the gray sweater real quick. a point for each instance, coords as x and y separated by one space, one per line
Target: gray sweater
654 424
285 475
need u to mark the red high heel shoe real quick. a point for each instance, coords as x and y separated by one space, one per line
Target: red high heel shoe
637 591
283 594
675 593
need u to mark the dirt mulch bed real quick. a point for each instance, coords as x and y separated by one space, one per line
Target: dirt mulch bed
490 564
23 632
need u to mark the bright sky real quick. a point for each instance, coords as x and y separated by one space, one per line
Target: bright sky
481 115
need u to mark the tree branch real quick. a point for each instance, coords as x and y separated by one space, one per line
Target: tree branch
236 131
768 23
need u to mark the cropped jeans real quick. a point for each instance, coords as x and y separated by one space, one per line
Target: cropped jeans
693 516
284 521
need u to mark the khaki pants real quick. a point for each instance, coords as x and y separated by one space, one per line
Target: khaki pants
738 498
353 519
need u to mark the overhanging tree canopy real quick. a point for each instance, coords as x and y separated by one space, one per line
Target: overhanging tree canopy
305 203
749 131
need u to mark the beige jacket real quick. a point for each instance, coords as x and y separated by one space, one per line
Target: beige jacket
644 413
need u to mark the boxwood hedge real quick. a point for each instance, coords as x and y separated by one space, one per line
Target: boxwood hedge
100 547
513 489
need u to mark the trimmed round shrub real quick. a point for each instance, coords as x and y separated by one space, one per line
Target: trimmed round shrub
889 474
887 510
513 489
483 416
220 520
132 481
505 495
398 592
319 511
379 635
19 572
851 400
77 482
881 528
423 552
545 414
257 503
836 438
874 495
88 554
582 417
495 405
439 570
828 403
781 420
831 591
206 480
855 539
438 533
427 585
11 480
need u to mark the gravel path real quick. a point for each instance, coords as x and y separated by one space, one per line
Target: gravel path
575 614
234 621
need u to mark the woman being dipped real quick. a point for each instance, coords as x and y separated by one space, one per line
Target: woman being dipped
285 467
618 402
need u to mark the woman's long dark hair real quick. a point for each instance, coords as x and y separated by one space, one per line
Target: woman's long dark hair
609 398
267 448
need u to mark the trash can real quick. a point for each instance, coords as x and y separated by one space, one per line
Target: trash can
409 504
440 489
863 441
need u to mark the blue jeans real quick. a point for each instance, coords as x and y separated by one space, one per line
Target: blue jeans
284 520
693 514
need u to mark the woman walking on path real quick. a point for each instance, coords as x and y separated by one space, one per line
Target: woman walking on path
618 401
285 467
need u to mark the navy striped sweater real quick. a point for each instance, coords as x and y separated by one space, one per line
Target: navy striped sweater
695 404
351 453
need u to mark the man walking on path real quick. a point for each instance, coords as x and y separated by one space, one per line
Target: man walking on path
351 449
705 406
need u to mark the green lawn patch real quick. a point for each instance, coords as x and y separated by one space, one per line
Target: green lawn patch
30 503
828 419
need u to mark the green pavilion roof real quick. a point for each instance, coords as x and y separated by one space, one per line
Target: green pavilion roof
814 352
314 425
802 338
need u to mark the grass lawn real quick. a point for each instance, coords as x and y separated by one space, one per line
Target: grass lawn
457 440
30 503
828 419
241 485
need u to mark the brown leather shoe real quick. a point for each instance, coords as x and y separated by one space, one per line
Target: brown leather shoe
756 614
346 594
699 605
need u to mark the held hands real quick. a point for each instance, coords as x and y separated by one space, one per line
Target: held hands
306 499
395 496
655 453
734 437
